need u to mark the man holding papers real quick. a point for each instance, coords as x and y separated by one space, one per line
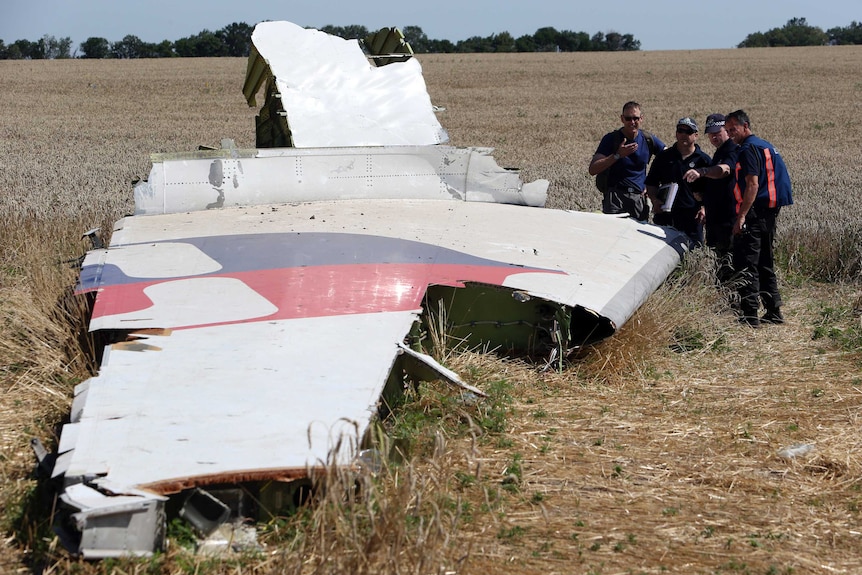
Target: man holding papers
675 201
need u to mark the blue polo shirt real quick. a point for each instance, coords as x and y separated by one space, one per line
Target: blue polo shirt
631 171
759 157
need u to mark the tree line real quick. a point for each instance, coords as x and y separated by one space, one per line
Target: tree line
235 40
797 32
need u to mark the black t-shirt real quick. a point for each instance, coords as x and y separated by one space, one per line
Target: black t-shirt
669 166
718 195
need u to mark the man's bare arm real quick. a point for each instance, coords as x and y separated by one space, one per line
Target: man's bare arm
713 173
600 163
748 197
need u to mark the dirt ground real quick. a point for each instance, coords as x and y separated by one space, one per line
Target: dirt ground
675 465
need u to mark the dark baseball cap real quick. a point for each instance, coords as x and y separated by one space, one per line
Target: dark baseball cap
688 122
714 123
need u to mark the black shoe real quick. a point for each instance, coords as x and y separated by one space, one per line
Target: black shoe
774 317
750 320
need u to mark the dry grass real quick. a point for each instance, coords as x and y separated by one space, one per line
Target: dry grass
655 452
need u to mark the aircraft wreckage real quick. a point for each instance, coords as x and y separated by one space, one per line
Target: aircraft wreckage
261 304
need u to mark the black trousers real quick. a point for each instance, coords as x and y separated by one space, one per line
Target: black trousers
754 262
684 220
719 237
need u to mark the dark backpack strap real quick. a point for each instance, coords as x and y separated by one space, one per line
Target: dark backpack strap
618 139
650 140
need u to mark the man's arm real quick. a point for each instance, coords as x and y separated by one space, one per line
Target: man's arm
600 163
652 193
748 197
712 172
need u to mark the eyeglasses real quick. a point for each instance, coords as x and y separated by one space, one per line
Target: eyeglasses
688 131
632 118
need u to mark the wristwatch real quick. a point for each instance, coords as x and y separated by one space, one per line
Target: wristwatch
617 156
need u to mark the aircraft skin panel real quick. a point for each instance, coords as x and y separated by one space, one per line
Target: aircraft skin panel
364 256
277 290
277 276
334 97
186 406
196 182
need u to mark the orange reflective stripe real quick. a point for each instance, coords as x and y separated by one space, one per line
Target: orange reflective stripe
770 179
737 193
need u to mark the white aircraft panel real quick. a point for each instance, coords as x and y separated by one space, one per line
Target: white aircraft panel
334 97
237 398
610 264
195 182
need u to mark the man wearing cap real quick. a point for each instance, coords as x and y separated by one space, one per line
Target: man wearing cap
762 189
686 212
625 153
718 198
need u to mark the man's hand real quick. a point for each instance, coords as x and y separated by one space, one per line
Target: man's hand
627 149
692 175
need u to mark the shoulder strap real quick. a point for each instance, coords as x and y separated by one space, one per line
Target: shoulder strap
618 139
650 140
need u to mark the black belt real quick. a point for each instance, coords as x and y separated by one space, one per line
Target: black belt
628 189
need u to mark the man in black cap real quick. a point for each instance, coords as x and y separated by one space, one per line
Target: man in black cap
718 198
686 209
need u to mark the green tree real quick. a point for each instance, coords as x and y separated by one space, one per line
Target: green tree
27 50
203 44
614 41
236 38
547 39
525 43
502 42
129 47
417 39
441 47
570 41
630 44
797 32
597 42
54 48
347 32
754 40
95 47
474 44
851 34
164 49
800 33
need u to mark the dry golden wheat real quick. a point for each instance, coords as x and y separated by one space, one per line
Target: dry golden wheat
656 452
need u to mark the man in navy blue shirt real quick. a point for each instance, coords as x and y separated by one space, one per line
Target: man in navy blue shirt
718 198
686 213
626 153
762 189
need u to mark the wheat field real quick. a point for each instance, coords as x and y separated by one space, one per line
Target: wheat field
654 452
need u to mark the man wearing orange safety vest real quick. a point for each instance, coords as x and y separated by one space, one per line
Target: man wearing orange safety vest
762 188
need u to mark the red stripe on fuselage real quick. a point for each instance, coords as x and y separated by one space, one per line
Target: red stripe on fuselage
318 291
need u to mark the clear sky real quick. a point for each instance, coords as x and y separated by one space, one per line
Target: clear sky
658 24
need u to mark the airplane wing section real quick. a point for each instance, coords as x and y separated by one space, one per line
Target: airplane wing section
273 328
261 306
